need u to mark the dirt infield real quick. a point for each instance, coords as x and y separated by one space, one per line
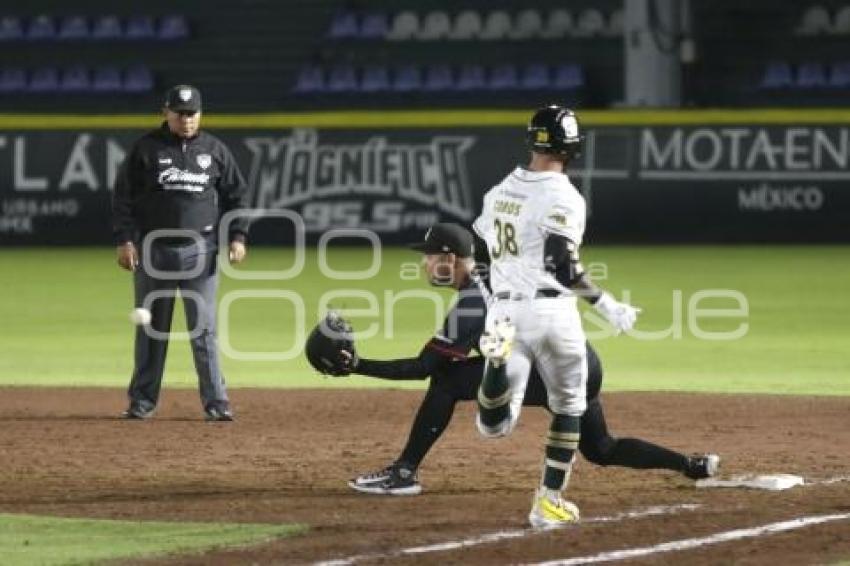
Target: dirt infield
288 455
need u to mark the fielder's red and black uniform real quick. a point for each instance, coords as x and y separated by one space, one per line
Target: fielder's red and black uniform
456 376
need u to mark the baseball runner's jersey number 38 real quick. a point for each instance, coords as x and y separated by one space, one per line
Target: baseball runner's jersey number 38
517 216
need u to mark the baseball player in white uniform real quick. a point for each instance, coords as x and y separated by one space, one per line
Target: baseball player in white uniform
533 223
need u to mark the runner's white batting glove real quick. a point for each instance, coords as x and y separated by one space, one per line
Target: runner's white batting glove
622 316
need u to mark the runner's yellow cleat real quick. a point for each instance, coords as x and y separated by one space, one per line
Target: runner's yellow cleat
552 511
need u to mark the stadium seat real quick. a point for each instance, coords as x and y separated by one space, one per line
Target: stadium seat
75 79
342 78
407 78
811 75
615 24
559 25
528 25
842 21
173 27
471 77
839 75
777 74
106 28
568 76
375 78
343 26
436 25
405 27
74 28
138 78
310 79
41 28
503 77
438 78
535 77
467 26
140 27
815 21
12 80
374 26
106 79
590 23
11 29
497 26
45 79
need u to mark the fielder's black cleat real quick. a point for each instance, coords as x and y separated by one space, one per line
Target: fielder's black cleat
218 411
702 466
396 479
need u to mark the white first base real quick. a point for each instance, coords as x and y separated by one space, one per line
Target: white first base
772 482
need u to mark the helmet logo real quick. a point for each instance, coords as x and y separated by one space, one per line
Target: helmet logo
542 136
570 126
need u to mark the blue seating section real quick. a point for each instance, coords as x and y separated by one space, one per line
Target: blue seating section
362 30
439 78
495 25
810 75
76 79
46 28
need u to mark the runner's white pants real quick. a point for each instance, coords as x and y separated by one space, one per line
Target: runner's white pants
548 335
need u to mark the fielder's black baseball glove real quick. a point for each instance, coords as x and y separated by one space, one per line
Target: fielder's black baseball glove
330 346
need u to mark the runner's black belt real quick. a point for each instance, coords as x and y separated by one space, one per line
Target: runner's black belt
539 294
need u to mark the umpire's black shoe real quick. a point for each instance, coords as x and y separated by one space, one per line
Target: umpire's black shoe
218 411
138 411
702 466
396 479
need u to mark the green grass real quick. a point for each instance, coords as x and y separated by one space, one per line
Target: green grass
30 540
64 313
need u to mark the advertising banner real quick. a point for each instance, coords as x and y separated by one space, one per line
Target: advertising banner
712 183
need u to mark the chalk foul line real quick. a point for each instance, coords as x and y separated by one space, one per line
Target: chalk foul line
690 543
655 510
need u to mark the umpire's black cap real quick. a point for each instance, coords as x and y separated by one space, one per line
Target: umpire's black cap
183 98
447 238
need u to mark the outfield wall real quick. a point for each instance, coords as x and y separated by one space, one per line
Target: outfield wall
665 176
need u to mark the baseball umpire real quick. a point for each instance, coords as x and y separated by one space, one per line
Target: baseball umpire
455 375
171 191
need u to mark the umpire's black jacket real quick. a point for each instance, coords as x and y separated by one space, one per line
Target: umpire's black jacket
168 182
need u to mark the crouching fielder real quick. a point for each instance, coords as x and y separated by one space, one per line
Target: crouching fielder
533 223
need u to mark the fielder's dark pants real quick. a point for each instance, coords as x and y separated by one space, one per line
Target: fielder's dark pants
157 293
459 381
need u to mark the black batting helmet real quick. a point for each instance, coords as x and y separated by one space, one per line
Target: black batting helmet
555 130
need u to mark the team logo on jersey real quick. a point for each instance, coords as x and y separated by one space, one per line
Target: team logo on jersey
174 179
185 94
204 160
559 219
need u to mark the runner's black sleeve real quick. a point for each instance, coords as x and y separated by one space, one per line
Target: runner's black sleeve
560 257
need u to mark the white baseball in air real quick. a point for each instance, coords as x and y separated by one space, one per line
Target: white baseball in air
140 317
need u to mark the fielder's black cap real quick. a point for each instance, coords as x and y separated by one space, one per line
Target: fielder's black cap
447 238
183 98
